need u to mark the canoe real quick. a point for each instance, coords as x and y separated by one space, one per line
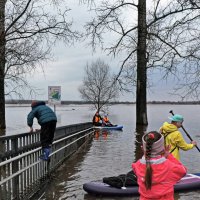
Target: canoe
188 182
118 127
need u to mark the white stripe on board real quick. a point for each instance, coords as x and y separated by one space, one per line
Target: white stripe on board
190 176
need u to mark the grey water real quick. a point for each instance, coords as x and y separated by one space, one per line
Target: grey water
110 153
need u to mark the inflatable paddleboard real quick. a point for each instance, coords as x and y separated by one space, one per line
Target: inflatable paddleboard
118 127
188 182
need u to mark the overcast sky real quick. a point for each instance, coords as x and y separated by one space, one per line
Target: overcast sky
67 69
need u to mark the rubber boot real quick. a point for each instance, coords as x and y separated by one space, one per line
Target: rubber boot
45 153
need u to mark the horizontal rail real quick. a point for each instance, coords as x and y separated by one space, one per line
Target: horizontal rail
69 144
18 157
71 135
19 172
35 150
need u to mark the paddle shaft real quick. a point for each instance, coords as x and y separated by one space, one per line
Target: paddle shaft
186 132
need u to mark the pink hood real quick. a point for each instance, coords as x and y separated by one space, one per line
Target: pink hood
166 173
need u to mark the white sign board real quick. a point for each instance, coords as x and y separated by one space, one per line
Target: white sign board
54 95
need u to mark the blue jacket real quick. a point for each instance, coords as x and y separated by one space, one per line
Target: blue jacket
42 112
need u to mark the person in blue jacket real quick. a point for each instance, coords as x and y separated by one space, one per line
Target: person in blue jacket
47 120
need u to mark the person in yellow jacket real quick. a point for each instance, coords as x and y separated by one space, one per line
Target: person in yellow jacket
173 136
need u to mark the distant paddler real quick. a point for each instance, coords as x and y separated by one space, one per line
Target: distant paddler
97 119
106 121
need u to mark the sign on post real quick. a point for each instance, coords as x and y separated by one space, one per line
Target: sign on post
54 95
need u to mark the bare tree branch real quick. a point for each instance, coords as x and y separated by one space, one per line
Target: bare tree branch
98 85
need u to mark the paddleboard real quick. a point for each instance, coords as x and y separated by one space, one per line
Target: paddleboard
188 182
118 127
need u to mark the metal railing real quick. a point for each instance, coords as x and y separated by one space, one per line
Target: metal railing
22 172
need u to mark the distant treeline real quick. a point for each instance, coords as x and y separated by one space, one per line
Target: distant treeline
14 101
117 102
175 102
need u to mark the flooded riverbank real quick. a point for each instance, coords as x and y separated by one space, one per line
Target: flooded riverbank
111 153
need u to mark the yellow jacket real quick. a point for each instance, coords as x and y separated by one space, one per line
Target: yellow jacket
174 138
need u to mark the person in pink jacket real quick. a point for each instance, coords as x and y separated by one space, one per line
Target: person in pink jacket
157 171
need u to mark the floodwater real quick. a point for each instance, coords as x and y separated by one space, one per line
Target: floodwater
109 153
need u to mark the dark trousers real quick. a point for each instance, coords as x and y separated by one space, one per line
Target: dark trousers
47 133
123 180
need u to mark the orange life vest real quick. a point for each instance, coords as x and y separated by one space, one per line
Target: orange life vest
105 119
97 119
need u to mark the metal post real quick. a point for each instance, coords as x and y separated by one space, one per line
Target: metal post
2 170
15 168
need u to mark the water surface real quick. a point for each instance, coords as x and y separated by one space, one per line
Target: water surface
109 153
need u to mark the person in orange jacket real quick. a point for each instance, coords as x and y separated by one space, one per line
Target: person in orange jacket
173 136
106 121
96 119
157 171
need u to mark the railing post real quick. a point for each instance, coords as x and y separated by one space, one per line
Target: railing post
2 170
15 168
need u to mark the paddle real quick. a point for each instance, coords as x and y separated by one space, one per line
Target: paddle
171 111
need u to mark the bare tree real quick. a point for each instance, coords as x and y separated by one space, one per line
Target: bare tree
2 63
28 31
164 36
98 86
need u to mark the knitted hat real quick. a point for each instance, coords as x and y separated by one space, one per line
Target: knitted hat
157 146
33 103
176 118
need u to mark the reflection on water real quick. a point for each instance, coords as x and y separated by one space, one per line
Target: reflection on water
98 133
111 152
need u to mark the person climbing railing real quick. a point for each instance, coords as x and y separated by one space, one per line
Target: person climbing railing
22 172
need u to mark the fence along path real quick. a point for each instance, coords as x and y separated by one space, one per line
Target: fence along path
22 172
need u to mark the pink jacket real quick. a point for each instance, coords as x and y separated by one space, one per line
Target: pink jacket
166 173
